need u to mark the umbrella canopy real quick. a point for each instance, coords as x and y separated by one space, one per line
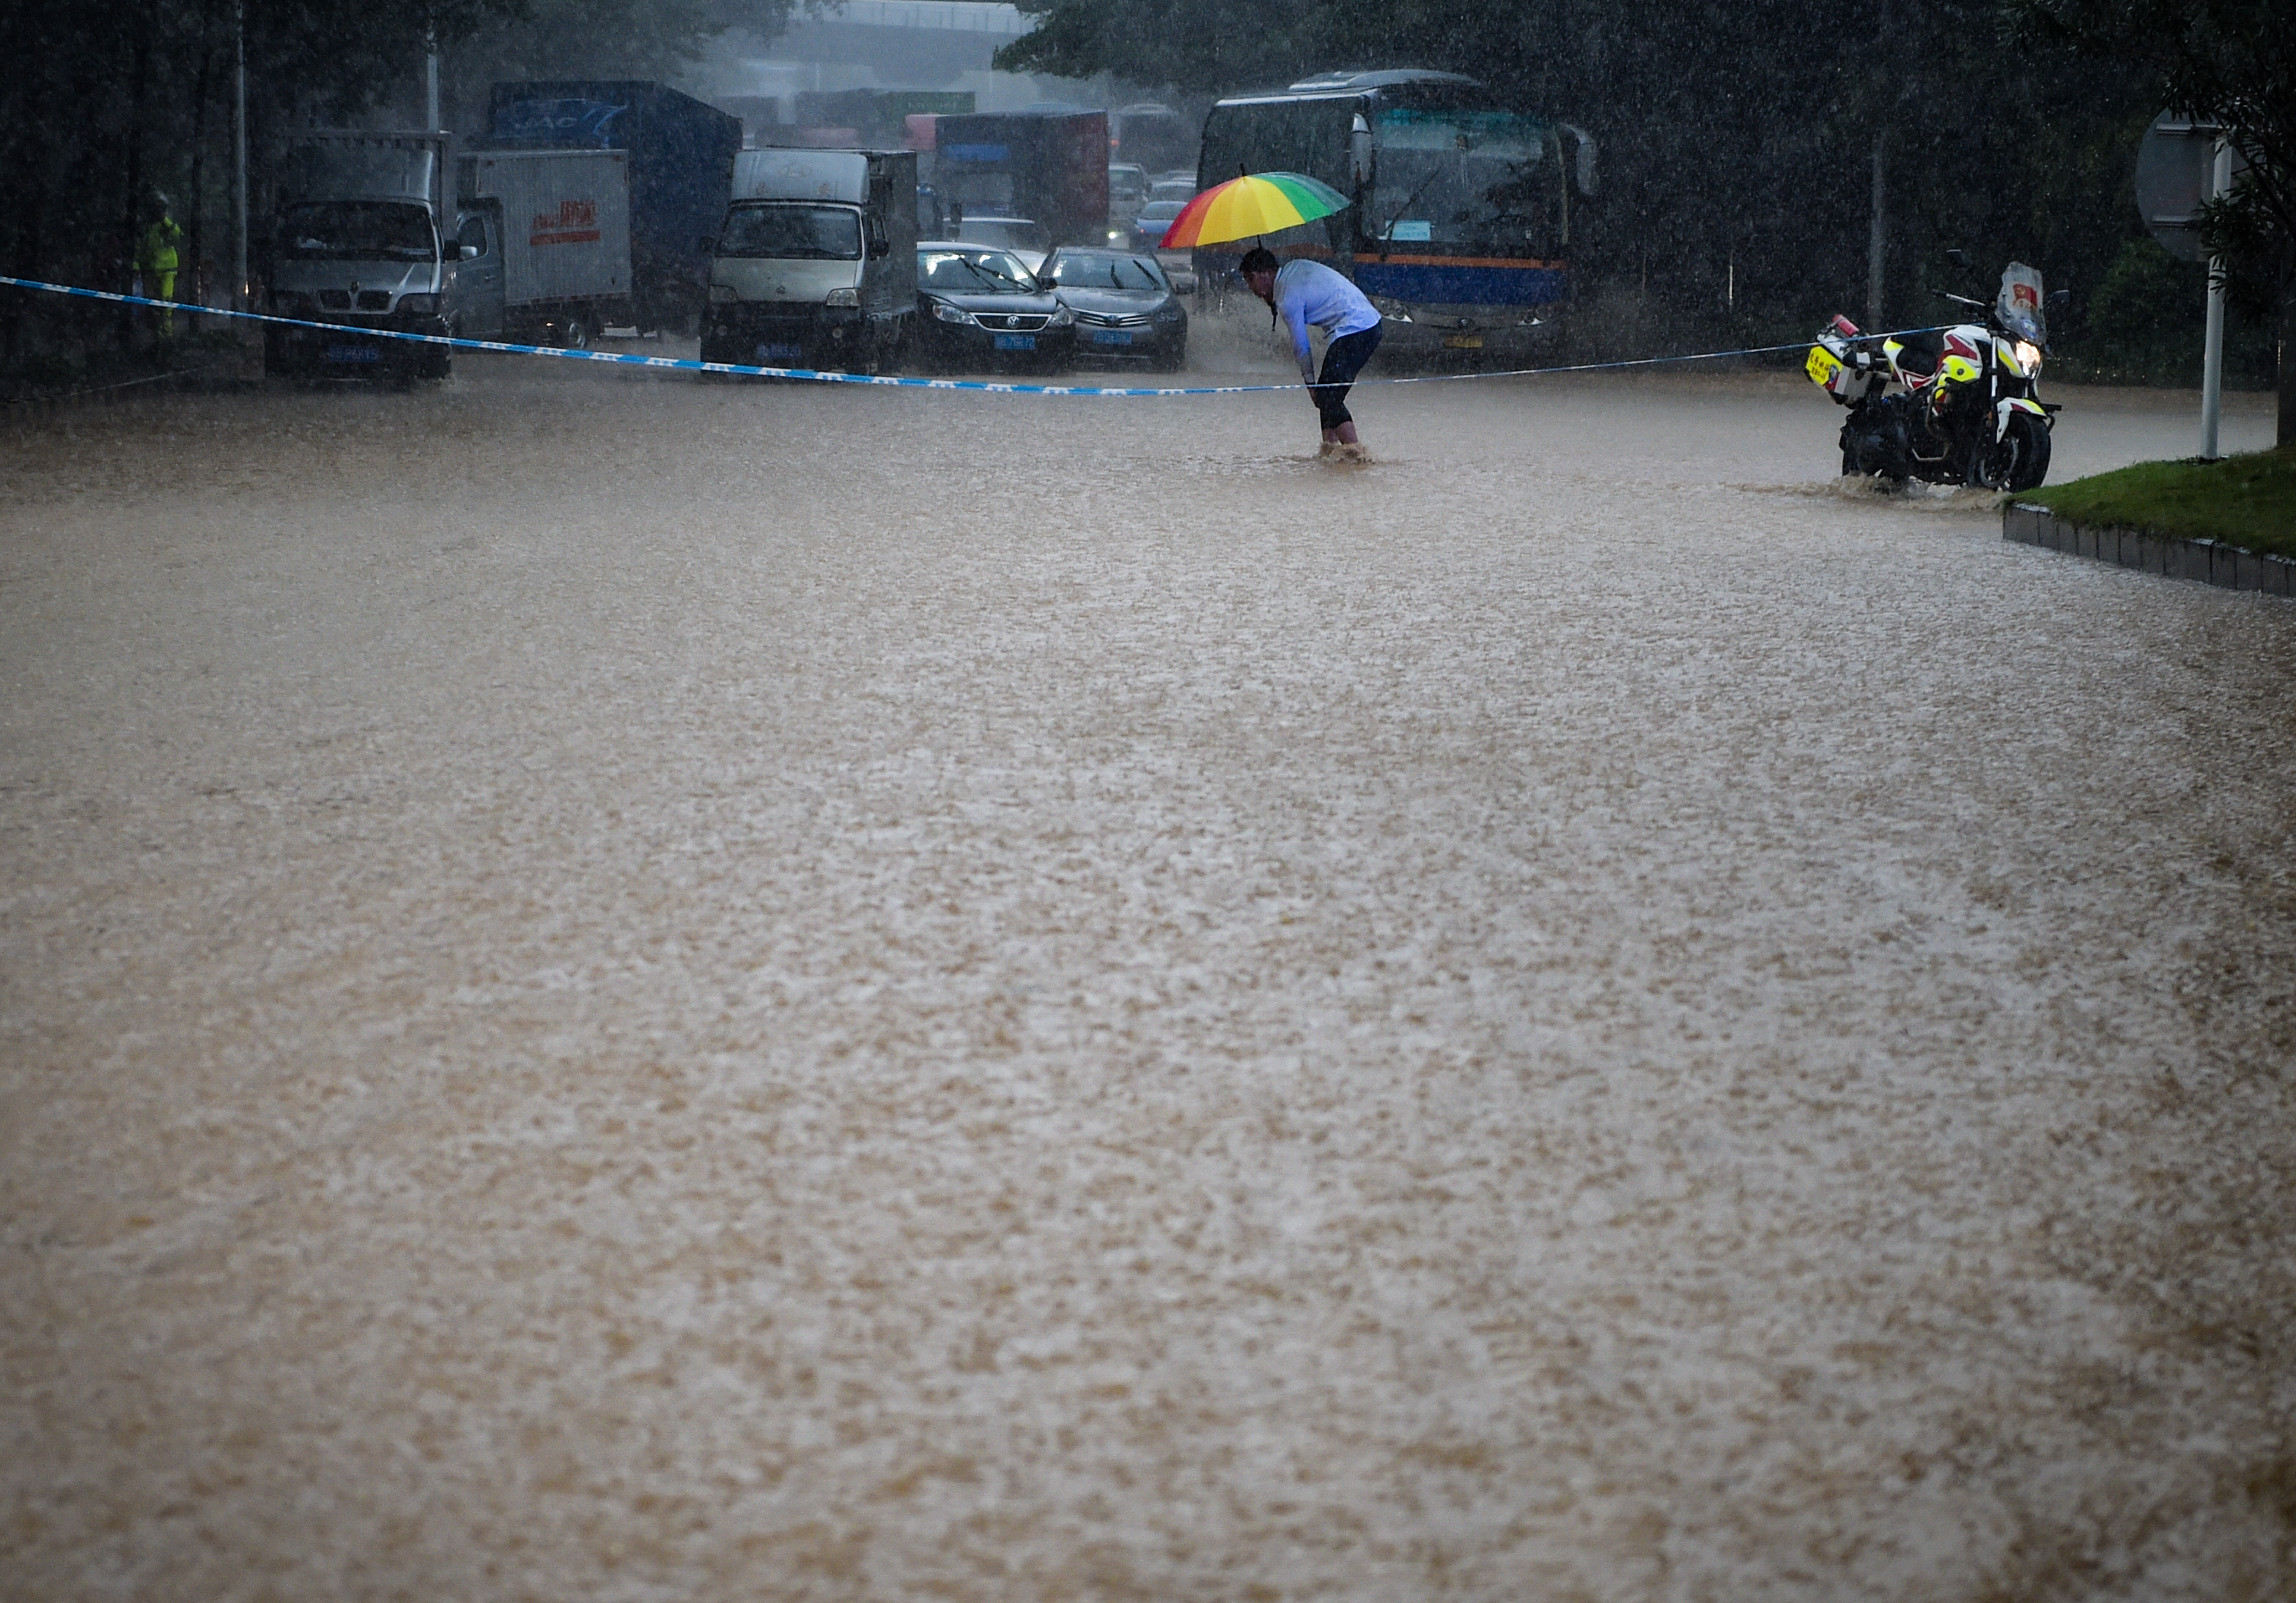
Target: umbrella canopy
1243 207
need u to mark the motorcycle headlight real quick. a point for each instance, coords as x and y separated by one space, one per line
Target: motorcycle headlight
419 305
1062 317
842 298
946 313
2029 358
722 294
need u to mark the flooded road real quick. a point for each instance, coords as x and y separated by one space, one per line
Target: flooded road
622 988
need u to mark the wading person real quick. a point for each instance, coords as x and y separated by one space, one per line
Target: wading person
1305 292
156 260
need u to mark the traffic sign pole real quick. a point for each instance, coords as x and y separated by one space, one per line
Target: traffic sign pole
2212 359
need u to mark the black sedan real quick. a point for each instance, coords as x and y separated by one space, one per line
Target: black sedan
1125 308
978 308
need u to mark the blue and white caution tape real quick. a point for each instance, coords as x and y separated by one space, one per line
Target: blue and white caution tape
822 377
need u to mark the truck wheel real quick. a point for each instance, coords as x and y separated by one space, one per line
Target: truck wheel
579 331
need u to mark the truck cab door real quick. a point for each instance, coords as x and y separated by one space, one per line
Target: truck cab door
478 285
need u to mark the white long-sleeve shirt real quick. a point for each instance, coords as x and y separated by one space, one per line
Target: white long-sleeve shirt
1309 292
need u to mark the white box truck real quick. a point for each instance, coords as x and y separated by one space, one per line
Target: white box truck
547 238
815 265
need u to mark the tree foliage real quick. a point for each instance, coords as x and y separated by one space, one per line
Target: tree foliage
2229 62
106 106
1738 136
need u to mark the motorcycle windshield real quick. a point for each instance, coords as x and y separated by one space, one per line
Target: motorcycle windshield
2020 306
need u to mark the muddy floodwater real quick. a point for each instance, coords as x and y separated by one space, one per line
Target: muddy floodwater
613 987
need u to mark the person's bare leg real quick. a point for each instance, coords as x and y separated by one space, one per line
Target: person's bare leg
1345 434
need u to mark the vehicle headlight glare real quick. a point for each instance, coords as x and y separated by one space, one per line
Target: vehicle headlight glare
842 298
946 313
2029 358
1062 317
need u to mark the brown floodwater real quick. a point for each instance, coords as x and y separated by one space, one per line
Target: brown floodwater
616 987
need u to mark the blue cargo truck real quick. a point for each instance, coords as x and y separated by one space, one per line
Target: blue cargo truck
681 171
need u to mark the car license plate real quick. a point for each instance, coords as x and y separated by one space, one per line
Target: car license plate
354 353
1016 341
780 356
1112 336
1464 342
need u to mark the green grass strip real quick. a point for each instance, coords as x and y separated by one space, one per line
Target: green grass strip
2249 500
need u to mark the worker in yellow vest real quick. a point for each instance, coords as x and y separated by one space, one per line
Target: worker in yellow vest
156 260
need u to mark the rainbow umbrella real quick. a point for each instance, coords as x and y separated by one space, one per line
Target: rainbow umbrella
1254 204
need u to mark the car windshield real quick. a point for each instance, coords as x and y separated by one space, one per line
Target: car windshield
1181 190
1103 272
1005 232
1162 211
356 230
789 233
974 272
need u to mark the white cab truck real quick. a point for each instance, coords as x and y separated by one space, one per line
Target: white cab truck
356 244
815 265
545 238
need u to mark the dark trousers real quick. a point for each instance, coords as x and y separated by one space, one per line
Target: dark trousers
1343 359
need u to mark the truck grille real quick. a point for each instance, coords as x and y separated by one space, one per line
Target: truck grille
335 300
374 301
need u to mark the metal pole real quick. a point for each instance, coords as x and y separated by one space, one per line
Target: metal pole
2212 359
1873 246
240 286
431 85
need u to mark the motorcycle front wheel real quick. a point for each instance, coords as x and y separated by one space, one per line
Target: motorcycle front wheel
2017 462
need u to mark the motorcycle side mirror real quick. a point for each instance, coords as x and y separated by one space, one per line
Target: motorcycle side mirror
2061 296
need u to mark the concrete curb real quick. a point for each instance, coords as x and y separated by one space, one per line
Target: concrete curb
2204 561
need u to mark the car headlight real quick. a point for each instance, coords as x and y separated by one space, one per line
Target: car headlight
1117 237
419 305
2029 358
1394 311
722 294
1062 317
842 298
946 313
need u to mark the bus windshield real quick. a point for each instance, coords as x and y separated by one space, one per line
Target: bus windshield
1456 176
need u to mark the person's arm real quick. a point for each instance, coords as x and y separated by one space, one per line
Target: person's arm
1296 315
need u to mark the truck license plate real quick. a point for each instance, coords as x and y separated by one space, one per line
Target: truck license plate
1016 341
1112 336
780 356
354 353
1464 342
